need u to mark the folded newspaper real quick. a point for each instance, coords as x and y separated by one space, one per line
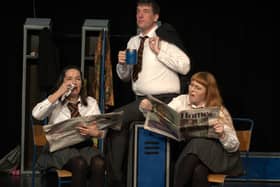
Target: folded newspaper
164 120
65 133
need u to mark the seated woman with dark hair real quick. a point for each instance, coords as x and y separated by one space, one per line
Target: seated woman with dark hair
83 160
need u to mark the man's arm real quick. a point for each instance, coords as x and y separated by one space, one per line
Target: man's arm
124 71
174 57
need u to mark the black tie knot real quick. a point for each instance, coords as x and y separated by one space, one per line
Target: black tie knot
143 38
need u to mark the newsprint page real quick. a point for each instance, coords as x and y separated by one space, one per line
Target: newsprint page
164 120
65 133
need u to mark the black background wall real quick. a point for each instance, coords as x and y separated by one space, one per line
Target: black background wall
233 41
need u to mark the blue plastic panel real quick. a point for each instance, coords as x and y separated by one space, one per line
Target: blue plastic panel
261 168
151 159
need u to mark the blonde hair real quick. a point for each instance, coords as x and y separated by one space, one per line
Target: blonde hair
213 96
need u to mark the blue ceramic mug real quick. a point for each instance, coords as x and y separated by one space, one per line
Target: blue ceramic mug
131 56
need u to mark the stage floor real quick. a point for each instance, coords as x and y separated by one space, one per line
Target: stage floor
25 181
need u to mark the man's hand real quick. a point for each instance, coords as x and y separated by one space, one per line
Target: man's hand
122 57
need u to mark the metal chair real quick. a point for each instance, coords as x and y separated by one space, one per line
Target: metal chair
244 128
39 140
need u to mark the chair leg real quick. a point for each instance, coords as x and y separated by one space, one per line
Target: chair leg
33 178
59 182
33 166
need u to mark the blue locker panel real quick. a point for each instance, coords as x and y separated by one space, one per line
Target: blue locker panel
151 159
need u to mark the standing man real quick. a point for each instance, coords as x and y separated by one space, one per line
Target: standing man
160 61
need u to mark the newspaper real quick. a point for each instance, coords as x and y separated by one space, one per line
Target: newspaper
65 133
164 120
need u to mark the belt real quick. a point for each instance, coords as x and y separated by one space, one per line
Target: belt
159 96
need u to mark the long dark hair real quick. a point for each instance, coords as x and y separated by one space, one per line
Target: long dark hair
83 92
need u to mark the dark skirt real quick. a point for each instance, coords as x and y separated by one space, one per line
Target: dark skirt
60 157
214 156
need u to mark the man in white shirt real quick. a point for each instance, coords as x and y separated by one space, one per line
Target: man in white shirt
162 61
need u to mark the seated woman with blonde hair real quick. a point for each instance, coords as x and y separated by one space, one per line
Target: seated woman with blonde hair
203 155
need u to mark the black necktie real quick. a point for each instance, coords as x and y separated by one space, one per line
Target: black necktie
73 107
138 67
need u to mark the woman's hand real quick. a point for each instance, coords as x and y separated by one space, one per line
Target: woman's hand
90 130
64 87
218 127
146 105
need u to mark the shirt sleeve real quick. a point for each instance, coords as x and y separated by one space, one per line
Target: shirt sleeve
124 71
43 109
230 140
174 57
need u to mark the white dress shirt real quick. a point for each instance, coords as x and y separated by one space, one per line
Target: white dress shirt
56 112
159 73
